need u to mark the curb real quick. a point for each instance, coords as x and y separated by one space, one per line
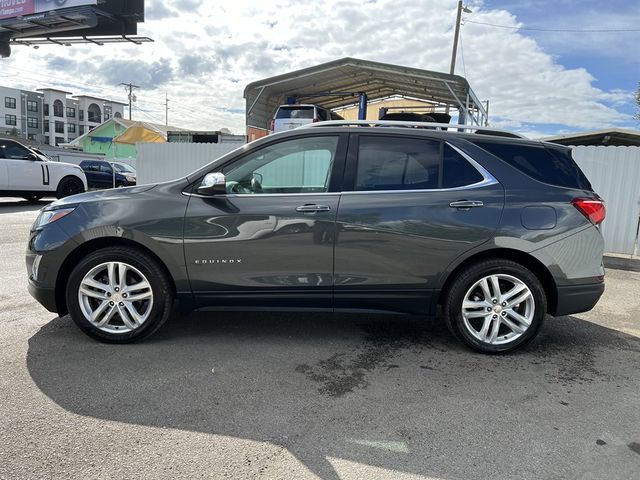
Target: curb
621 263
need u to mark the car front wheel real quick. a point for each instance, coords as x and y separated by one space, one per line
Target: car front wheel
69 186
495 306
119 295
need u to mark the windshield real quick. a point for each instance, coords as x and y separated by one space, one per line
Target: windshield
123 168
39 154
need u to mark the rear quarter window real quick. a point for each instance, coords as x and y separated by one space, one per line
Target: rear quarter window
547 165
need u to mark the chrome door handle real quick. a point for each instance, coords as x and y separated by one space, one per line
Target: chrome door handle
466 204
309 208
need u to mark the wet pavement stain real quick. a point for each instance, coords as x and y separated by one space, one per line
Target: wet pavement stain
343 373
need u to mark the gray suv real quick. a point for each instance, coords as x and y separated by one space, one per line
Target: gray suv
493 231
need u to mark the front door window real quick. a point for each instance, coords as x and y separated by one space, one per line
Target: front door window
294 166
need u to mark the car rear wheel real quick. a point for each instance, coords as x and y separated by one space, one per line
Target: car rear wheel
495 306
119 295
69 186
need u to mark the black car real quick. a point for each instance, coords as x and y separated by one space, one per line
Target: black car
102 174
497 231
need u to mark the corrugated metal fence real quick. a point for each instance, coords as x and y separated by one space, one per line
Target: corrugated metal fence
614 173
159 162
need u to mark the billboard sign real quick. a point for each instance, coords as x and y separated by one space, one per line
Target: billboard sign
17 8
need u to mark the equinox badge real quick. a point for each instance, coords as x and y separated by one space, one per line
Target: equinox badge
218 260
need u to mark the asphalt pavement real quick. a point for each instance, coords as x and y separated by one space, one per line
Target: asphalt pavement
293 396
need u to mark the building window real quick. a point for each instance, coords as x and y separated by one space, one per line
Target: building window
46 127
59 127
94 114
58 109
59 140
10 119
107 112
71 112
9 102
46 109
32 122
81 129
81 115
32 106
71 127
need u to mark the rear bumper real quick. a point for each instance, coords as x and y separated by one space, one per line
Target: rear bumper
577 298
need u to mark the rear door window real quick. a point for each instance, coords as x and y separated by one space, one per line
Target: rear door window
394 163
552 166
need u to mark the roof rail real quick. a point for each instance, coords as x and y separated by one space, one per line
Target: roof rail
452 127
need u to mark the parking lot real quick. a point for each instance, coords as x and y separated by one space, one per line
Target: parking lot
272 395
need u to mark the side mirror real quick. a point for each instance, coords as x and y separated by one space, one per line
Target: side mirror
213 184
32 157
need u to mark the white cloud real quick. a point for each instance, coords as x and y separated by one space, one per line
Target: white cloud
205 54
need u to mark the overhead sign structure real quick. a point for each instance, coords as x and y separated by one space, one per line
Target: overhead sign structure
18 8
67 22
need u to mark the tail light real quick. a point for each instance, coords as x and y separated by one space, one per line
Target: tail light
592 208
272 125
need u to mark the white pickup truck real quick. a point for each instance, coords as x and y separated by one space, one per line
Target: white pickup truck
28 174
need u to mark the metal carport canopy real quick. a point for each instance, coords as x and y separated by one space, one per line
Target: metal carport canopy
351 75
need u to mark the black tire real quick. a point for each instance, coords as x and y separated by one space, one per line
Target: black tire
158 279
33 198
467 278
69 186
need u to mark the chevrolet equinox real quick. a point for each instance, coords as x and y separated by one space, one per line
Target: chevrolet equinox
493 231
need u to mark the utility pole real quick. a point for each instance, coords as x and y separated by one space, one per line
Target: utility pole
166 106
456 35
130 87
486 119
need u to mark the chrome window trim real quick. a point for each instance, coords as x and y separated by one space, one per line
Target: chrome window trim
487 180
254 195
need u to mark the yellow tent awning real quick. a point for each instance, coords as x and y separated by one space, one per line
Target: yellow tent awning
140 134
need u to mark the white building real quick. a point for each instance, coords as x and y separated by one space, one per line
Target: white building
53 116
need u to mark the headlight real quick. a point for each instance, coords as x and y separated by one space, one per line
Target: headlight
130 178
49 216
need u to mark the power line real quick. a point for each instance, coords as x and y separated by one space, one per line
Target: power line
154 120
564 30
464 67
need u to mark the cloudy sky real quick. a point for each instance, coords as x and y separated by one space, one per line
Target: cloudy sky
205 52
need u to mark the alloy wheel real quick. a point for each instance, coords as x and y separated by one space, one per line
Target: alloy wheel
498 309
115 297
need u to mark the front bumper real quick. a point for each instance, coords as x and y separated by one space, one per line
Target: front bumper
577 298
45 296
